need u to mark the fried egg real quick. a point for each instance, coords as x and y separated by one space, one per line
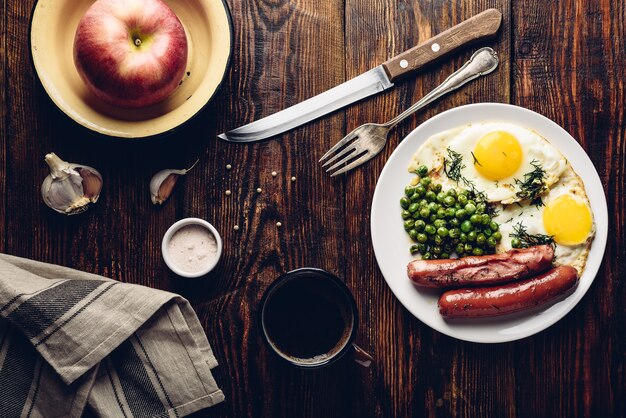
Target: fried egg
565 215
494 158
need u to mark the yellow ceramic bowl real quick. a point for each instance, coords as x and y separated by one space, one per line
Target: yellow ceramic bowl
209 34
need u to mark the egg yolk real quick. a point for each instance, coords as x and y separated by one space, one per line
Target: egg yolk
567 219
497 155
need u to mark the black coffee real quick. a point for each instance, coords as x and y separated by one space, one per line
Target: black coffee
308 318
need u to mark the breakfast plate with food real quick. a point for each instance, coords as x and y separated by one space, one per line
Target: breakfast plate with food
489 222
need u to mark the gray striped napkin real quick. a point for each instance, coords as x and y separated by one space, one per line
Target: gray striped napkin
76 344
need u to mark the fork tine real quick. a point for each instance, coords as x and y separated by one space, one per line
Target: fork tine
344 160
346 152
339 144
363 158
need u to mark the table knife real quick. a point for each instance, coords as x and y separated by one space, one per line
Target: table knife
482 26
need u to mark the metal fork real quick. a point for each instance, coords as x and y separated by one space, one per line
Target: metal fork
366 141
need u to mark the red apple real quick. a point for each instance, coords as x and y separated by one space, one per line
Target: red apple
130 53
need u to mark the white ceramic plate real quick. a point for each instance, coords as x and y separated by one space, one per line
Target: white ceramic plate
209 35
391 242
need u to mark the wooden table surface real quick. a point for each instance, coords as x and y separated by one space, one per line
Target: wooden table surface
563 59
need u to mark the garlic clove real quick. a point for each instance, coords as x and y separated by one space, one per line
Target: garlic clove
70 188
162 183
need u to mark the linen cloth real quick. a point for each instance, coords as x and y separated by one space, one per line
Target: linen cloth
76 344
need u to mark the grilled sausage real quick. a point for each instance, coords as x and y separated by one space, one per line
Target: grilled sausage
481 270
514 297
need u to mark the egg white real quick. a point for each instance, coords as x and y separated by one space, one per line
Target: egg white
531 217
463 140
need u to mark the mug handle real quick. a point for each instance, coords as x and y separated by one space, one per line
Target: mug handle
362 357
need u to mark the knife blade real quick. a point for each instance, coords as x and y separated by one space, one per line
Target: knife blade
482 26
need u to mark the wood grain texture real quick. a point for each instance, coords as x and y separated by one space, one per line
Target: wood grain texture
562 59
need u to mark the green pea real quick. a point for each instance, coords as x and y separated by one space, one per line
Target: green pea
497 236
415 198
441 213
422 170
423 203
408 224
430 229
461 213
425 182
424 212
455 233
432 217
493 226
466 226
445 256
440 197
471 236
405 214
451 192
427 256
449 201
419 225
404 202
436 188
439 223
413 234
450 213
463 237
414 249
474 219
491 242
516 243
413 207
422 247
460 249
468 248
438 239
455 222
487 232
485 219
481 208
477 251
470 208
481 239
409 190
443 231
422 238
437 249
420 190
416 215
431 196
462 199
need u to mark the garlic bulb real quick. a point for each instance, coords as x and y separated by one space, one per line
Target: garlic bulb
163 182
70 188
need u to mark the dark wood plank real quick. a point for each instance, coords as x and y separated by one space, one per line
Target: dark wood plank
419 371
284 52
574 74
3 115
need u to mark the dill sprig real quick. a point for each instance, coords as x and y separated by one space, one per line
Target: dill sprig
527 240
533 184
453 166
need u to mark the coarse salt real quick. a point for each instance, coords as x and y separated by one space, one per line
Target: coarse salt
193 248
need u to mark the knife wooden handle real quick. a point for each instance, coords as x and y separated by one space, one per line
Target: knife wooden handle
484 25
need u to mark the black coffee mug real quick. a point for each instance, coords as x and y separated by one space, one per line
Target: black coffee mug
309 318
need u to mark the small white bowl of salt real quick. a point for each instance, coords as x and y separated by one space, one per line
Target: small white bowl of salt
191 247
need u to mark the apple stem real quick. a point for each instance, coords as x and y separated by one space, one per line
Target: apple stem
137 41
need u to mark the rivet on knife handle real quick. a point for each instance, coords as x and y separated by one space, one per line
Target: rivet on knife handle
484 25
